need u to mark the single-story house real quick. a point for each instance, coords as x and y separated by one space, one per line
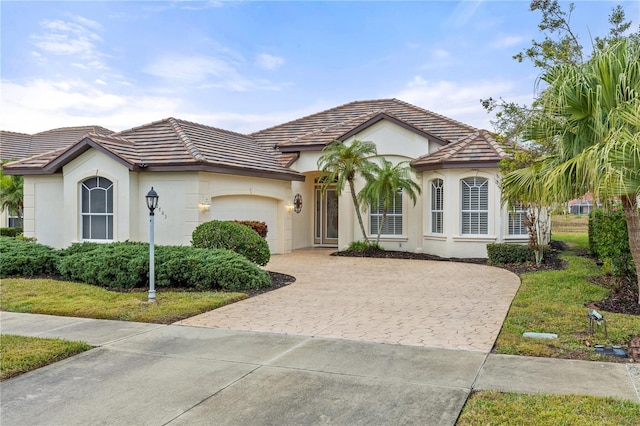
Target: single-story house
94 188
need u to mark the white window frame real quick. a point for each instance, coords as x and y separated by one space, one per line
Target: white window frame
474 212
88 215
394 218
515 220
437 206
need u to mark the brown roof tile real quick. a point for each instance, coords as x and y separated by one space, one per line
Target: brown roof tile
20 145
479 149
317 129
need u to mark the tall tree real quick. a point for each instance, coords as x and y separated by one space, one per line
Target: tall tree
383 183
592 112
340 163
11 194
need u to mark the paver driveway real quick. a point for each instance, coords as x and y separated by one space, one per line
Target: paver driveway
410 302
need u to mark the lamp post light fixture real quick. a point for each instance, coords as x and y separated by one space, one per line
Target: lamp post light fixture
152 203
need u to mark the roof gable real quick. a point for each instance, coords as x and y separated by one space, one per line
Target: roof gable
479 149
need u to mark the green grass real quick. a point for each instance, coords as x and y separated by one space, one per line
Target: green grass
46 296
554 302
573 239
495 408
20 354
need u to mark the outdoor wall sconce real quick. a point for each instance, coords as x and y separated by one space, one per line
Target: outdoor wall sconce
289 207
204 205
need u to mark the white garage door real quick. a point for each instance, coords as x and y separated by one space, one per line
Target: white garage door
248 207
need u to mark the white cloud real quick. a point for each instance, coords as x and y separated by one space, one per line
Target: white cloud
66 38
440 54
189 69
44 104
460 101
463 13
269 62
205 72
506 41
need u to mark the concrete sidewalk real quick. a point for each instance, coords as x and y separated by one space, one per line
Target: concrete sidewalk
159 374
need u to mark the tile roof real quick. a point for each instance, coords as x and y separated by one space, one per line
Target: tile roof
20 145
171 144
323 127
479 149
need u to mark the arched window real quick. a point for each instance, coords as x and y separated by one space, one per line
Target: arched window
97 209
475 206
437 206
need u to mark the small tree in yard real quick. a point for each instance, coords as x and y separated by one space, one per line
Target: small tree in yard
384 183
341 163
11 194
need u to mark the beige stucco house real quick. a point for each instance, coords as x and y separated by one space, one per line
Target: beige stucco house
94 188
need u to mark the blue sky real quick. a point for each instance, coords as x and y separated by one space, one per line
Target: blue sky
246 65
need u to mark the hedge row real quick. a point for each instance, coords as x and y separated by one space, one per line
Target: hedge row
10 232
609 241
126 265
24 258
233 236
501 253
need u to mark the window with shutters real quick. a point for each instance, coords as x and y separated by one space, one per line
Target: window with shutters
437 206
97 209
475 206
393 223
517 216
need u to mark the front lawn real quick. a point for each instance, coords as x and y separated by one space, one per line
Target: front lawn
496 408
51 297
554 302
20 354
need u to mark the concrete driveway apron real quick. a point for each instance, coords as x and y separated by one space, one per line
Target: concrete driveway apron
409 302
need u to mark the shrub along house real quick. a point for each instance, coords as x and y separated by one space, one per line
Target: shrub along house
93 189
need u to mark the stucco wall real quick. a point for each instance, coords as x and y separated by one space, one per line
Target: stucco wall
451 243
43 198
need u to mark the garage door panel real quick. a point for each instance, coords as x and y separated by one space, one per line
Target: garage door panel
260 209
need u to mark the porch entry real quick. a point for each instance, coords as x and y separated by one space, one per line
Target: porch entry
326 217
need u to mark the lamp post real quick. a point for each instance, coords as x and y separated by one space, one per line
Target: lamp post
152 203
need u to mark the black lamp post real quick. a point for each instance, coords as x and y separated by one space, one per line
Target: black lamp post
152 203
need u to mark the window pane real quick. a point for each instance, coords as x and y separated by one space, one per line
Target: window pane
85 199
86 227
98 227
110 227
98 201
91 183
110 199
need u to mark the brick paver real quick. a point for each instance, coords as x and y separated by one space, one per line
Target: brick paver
409 302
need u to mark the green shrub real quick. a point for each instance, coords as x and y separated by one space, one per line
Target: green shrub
10 232
609 241
260 227
500 253
126 265
363 247
25 258
232 236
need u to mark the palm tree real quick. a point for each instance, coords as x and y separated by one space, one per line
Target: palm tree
340 163
384 183
592 111
11 194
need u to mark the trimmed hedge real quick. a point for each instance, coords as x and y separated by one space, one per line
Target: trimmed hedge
126 265
25 258
260 227
609 241
10 232
500 253
233 236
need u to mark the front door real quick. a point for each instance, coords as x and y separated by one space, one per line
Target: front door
326 217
